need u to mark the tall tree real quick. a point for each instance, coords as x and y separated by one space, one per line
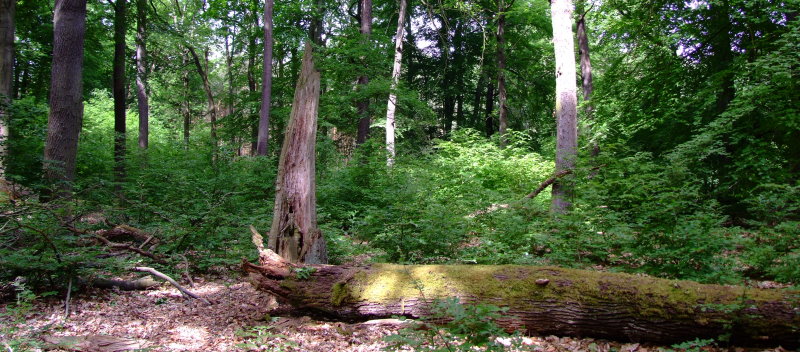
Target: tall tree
392 104
6 73
294 233
365 16
586 65
118 89
202 71
141 73
566 101
501 68
66 91
266 85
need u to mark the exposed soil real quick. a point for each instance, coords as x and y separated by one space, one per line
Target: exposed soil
164 321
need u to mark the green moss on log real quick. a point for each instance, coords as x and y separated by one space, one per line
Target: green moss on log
516 286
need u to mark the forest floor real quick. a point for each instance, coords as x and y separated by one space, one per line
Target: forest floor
162 320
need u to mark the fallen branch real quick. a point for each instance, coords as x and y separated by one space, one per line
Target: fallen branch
131 248
125 285
186 293
548 182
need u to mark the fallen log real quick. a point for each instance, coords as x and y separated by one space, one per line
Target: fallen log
542 300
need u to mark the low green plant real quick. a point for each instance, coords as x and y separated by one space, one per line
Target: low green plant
262 338
304 273
454 326
14 319
696 345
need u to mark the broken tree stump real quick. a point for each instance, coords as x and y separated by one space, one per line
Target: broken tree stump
543 300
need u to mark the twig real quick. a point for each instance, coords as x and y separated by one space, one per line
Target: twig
186 293
548 182
129 248
66 301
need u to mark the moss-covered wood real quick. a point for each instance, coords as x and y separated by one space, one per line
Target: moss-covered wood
547 300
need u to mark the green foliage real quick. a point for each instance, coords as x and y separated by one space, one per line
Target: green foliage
304 273
453 326
695 345
14 319
261 338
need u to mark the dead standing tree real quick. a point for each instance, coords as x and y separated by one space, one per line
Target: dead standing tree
294 234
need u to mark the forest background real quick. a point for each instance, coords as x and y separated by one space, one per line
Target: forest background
688 154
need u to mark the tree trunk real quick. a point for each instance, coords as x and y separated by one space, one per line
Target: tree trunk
501 74
187 115
266 86
543 300
365 11
203 73
392 104
66 91
489 121
566 101
251 78
119 92
141 73
294 234
6 74
586 67
316 28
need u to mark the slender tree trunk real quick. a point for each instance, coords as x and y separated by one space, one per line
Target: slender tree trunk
119 92
229 68
365 10
141 73
501 74
203 73
294 234
266 86
448 103
586 67
566 101
488 119
410 68
6 75
251 79
66 92
187 115
392 104
476 103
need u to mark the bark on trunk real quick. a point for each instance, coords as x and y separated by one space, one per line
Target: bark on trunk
501 75
66 91
6 74
119 92
543 300
141 74
266 87
294 234
365 11
392 104
566 101
586 68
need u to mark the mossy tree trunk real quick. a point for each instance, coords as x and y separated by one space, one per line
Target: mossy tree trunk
544 300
